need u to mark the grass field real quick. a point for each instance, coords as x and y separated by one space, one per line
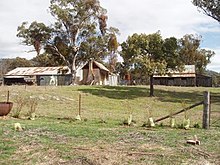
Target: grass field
55 137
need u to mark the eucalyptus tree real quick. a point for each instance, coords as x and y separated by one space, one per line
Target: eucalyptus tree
113 49
209 7
47 60
36 34
151 54
19 62
191 53
78 33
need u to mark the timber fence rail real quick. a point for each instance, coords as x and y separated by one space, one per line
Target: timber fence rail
206 111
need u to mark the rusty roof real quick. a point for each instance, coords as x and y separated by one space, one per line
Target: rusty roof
99 65
33 71
189 71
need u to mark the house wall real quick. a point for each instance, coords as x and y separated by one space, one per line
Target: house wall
175 81
203 81
64 79
11 81
45 80
100 77
199 80
97 77
113 80
53 80
104 77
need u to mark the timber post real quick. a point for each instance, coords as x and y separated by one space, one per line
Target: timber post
80 103
206 111
8 97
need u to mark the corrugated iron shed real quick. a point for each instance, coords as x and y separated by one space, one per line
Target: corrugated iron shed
189 71
33 71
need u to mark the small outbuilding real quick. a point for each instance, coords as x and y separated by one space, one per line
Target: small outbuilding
188 77
95 73
41 76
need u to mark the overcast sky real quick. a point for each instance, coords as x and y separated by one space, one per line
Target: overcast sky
172 17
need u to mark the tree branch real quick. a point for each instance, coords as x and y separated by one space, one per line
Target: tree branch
59 54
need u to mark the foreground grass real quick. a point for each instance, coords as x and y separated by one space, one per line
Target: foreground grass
100 138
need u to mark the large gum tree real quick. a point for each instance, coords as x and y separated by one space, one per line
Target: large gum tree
151 54
210 8
78 33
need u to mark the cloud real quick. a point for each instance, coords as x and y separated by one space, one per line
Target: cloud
13 13
173 18
215 61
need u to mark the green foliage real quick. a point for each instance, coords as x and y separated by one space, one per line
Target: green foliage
93 47
54 138
37 34
170 53
113 43
151 54
19 62
47 60
4 66
8 64
215 77
191 54
112 47
209 7
79 33
76 26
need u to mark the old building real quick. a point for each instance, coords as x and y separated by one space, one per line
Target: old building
95 73
187 77
38 75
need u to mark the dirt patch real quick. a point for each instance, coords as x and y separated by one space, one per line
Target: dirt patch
79 161
35 153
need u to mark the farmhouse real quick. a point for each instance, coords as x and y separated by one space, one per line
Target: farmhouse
188 77
38 75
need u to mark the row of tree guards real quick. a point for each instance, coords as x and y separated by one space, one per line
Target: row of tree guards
205 102
206 111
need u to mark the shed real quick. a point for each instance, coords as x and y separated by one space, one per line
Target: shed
203 81
187 77
95 73
39 75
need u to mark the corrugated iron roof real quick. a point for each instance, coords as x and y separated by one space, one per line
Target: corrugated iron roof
177 75
32 71
101 66
189 71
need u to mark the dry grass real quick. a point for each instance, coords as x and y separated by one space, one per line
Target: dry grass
55 138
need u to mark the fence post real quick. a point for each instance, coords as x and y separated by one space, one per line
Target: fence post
206 110
80 102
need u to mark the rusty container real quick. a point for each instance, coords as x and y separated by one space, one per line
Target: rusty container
5 108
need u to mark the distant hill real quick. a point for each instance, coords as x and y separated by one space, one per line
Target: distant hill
215 77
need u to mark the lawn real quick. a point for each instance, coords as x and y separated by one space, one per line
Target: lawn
55 137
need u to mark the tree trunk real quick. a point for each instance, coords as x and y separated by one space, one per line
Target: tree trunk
151 86
73 70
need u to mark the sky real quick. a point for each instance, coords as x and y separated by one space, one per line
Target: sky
174 18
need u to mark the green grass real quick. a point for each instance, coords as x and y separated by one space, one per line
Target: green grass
54 137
